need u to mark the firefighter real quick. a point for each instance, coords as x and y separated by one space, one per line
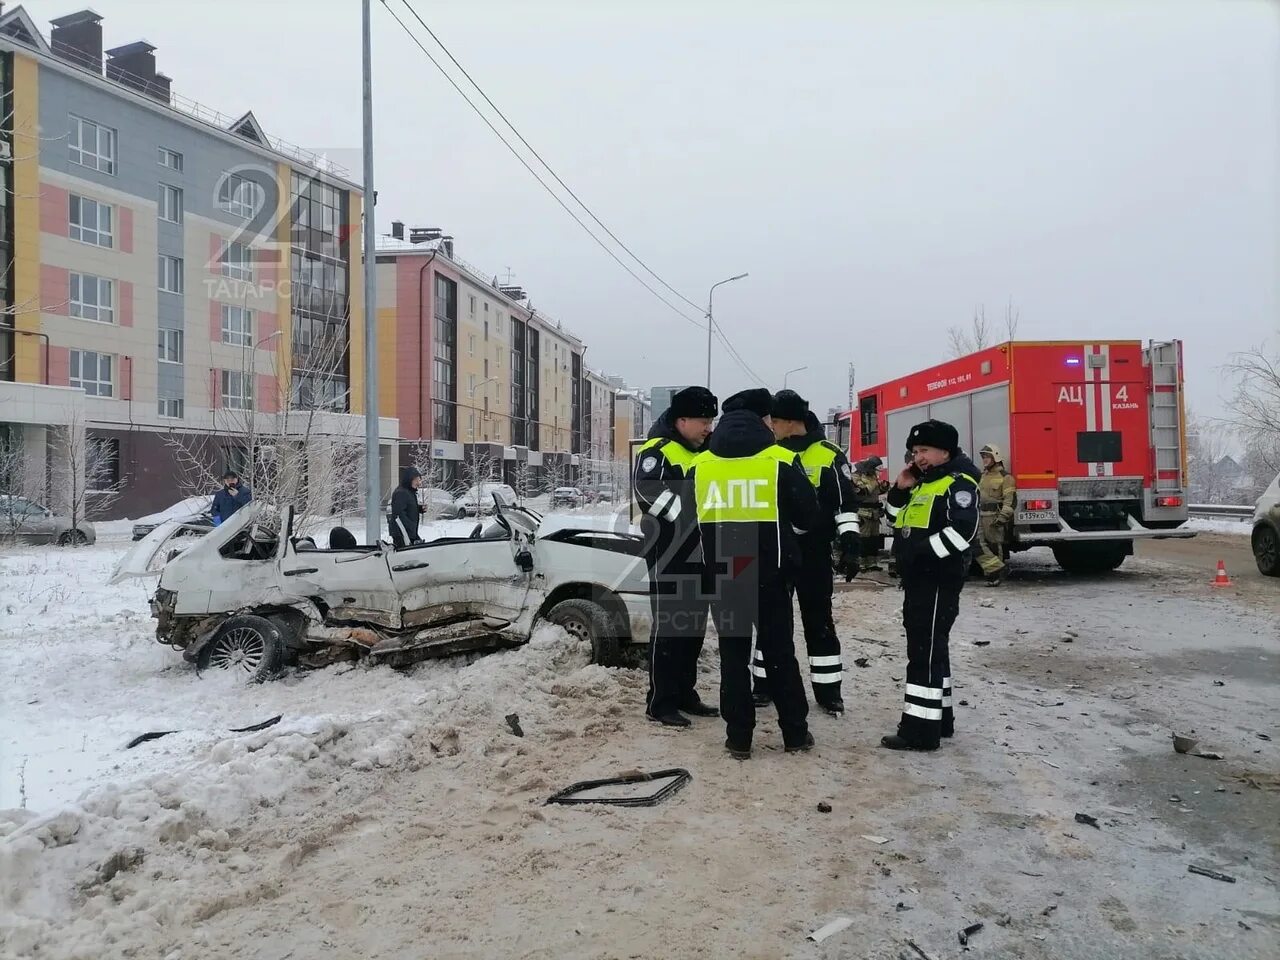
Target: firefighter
934 506
798 431
869 488
751 500
675 589
997 494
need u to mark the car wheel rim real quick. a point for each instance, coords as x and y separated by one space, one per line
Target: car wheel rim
239 649
578 630
1268 546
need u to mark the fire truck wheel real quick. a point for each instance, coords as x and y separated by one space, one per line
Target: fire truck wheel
1085 559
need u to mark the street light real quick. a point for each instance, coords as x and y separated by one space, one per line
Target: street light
710 296
789 373
471 401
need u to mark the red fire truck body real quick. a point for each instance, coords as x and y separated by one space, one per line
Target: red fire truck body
1092 432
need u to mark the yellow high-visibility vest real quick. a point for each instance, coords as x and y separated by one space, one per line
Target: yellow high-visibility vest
918 512
738 489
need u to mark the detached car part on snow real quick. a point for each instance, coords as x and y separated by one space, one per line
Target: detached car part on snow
251 596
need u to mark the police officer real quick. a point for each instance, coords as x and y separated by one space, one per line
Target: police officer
675 587
751 501
798 430
997 494
934 506
868 488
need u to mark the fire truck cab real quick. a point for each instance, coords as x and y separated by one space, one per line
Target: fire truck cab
1093 433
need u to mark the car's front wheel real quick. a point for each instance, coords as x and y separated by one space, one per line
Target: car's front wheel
248 645
73 538
1266 551
589 622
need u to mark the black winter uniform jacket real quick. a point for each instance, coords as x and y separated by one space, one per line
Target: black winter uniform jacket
936 551
836 493
726 548
654 476
402 519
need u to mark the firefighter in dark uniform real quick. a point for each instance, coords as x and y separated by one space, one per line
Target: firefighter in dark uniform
751 500
934 506
675 585
799 431
869 488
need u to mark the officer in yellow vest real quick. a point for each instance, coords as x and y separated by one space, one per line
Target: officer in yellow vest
798 430
675 573
997 496
751 502
934 506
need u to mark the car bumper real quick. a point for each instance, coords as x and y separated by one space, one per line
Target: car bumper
639 615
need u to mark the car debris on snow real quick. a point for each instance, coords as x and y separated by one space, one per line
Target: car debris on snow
874 839
824 807
1211 874
513 721
968 932
830 929
1088 820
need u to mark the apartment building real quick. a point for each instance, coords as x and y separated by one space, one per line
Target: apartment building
176 276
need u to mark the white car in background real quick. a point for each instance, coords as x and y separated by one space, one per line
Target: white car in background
479 499
251 597
196 512
1265 538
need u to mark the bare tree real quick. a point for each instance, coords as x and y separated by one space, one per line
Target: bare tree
1208 444
1254 404
478 467
523 481
86 472
16 489
981 332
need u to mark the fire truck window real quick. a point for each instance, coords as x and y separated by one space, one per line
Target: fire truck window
870 420
1098 446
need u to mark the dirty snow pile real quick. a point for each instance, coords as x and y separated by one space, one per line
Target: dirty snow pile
131 858
1202 525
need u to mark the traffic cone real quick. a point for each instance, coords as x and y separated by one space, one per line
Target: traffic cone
1221 580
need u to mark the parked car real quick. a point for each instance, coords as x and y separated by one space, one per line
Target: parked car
1266 531
567 497
479 499
438 504
195 512
251 597
601 493
31 522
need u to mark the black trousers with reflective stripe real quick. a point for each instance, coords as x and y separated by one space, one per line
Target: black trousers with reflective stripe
813 587
679 610
737 607
930 605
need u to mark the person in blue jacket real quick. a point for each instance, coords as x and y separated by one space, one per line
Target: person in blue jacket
230 498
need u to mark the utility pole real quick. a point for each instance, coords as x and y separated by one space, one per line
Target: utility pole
711 322
372 453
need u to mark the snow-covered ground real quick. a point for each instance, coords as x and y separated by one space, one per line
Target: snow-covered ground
393 813
1204 525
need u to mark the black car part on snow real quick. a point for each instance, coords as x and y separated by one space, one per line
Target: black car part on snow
676 779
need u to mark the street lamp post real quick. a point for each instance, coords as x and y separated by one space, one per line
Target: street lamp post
471 401
372 452
789 373
710 321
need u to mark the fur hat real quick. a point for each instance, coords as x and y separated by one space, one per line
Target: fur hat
934 433
694 402
758 401
789 405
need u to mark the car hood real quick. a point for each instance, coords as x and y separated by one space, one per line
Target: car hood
187 509
148 556
599 523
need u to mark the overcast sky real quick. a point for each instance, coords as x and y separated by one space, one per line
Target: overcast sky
878 168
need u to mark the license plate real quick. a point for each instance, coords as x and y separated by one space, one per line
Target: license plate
1035 516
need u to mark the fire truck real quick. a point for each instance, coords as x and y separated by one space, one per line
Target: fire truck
1094 434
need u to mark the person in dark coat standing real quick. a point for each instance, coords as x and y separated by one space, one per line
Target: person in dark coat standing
934 506
799 431
670 551
230 498
751 500
402 518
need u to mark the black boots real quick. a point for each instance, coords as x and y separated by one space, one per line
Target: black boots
696 708
898 742
834 706
672 719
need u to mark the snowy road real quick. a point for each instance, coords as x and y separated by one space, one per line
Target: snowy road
395 815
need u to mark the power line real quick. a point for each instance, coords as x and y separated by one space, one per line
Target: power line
733 353
524 163
531 149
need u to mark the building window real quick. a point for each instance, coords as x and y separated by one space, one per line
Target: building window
870 420
170 204
486 330
472 306
171 159
237 260
237 390
91 372
170 271
237 326
486 368
92 145
91 221
239 197
170 407
497 325
471 344
170 346
444 363
92 298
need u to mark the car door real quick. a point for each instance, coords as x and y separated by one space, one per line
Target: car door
39 525
456 578
350 585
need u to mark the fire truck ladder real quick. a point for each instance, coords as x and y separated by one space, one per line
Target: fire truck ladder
1166 415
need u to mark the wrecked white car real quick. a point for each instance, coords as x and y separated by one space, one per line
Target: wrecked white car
252 597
